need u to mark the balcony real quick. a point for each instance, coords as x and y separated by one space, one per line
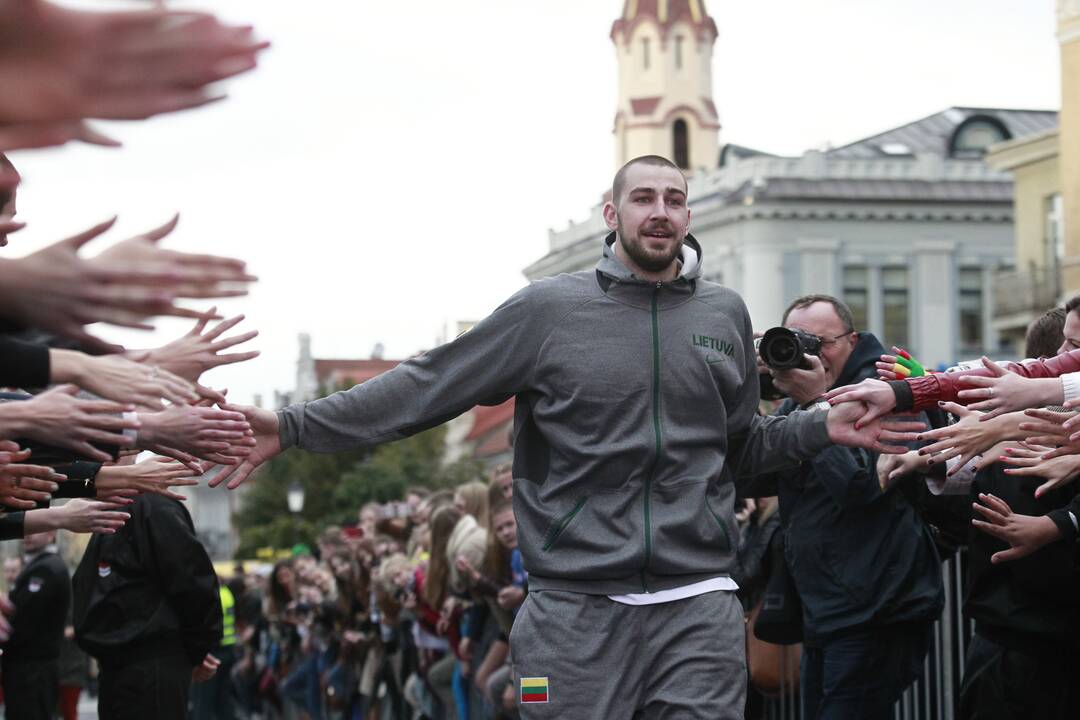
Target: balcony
1021 296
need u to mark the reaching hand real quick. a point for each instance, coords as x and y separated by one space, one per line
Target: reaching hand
206 433
155 474
57 290
1024 534
191 275
964 439
890 468
899 366
87 516
1048 427
117 378
23 486
56 417
200 350
264 423
65 64
843 423
1030 461
1005 391
874 396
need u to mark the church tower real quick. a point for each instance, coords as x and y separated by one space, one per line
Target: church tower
665 106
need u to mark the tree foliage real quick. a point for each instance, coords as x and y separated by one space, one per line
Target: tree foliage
336 485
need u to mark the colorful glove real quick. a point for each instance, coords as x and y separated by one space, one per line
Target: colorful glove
907 366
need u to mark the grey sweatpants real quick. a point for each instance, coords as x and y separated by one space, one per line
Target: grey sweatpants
682 660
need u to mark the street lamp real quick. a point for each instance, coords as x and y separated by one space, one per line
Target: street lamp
295 497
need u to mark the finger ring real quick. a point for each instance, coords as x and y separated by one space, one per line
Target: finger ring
990 392
18 482
153 372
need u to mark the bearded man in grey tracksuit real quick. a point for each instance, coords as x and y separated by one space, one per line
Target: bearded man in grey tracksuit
636 410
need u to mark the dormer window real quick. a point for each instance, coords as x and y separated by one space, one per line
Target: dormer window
645 53
678 52
973 136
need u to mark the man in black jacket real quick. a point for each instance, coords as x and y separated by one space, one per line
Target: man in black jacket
862 560
31 657
147 607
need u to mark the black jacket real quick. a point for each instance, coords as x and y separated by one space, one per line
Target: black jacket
859 557
41 596
150 590
1031 600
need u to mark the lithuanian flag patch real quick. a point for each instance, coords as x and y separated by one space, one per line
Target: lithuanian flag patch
534 690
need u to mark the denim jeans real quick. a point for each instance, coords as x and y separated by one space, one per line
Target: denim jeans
861 675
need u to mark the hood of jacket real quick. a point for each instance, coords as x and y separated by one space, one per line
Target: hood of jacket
861 363
689 261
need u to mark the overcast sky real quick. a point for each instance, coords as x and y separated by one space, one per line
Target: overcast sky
392 166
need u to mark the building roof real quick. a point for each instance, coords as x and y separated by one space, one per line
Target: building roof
487 417
932 134
883 190
665 13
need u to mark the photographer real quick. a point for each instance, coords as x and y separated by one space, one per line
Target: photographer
863 563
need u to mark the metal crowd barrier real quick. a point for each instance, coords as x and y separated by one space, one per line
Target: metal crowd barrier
935 695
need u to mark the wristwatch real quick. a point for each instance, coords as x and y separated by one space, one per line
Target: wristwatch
819 404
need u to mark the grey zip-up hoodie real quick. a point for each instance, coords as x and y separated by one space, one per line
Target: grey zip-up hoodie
636 410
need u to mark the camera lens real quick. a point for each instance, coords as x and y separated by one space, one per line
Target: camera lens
780 349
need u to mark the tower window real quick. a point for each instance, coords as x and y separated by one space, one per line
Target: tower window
645 52
678 52
681 142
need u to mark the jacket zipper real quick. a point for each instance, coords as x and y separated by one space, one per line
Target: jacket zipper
656 432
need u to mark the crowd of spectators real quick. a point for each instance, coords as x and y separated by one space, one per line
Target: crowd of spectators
406 614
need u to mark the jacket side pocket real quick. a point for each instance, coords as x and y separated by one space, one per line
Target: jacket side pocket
557 528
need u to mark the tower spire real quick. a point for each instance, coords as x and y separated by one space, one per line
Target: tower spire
665 106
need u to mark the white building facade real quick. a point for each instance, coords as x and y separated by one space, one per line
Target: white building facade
909 226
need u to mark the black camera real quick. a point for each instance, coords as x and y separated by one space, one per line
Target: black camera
783 349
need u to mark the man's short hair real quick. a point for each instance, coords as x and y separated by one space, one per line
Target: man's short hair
841 308
619 184
1073 304
1047 333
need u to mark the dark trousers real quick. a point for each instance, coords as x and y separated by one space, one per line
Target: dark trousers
152 688
861 676
31 689
1002 684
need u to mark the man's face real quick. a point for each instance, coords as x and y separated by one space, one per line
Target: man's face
1071 332
821 319
651 217
34 543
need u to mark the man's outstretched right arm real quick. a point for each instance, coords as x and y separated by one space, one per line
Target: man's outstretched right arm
485 365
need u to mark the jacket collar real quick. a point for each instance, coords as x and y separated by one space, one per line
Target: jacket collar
689 262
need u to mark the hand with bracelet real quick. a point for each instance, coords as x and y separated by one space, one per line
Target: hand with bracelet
121 379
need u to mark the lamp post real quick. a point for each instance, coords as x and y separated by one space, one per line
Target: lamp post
294 496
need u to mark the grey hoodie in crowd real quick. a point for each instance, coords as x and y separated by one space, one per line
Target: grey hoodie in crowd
636 410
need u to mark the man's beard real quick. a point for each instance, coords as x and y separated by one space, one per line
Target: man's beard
648 260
